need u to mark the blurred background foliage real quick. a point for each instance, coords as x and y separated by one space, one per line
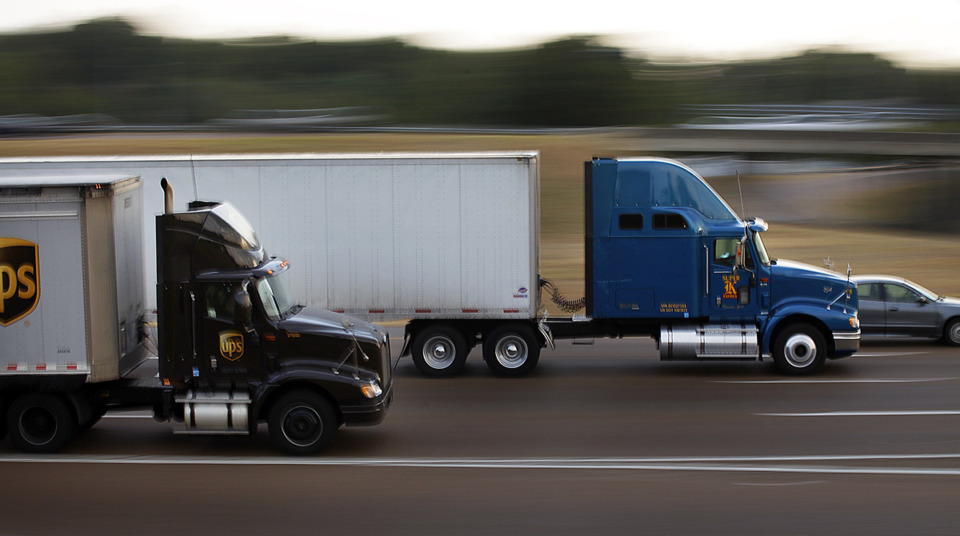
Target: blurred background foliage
107 67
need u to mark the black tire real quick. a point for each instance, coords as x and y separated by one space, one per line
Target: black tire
302 423
40 422
439 351
511 350
799 349
951 332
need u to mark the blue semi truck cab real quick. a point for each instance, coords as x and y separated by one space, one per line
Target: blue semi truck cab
668 258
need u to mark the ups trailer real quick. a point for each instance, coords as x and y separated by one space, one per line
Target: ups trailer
233 348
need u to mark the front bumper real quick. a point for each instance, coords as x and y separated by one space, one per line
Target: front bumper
370 413
845 343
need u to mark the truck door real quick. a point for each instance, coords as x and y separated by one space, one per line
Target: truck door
229 342
732 292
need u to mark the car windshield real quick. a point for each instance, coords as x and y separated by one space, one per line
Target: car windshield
761 250
275 296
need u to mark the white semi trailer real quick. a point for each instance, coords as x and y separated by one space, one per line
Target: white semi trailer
447 241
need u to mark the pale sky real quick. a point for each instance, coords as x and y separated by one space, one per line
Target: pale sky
923 33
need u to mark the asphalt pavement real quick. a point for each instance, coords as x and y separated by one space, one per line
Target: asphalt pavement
601 439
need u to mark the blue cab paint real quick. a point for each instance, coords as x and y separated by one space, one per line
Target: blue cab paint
663 247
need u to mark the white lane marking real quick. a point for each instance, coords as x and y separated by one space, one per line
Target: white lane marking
779 484
864 380
889 354
865 413
720 464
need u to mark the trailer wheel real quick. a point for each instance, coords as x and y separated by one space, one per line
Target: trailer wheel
40 422
511 350
302 422
799 349
439 351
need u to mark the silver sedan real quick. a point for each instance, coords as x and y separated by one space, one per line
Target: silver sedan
896 307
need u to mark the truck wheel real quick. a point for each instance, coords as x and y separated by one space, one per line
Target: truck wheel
439 351
511 350
302 422
951 333
799 349
40 422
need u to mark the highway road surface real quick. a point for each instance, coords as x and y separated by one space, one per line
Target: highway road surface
601 439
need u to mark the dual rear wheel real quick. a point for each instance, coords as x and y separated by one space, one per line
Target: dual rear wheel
508 350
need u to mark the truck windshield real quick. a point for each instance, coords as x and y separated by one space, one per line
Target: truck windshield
275 297
761 250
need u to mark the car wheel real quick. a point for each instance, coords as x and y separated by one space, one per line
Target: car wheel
951 333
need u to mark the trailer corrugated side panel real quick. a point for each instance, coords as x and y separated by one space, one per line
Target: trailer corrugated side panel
395 236
430 238
83 321
412 235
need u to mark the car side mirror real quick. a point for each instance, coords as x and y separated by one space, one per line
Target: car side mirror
923 301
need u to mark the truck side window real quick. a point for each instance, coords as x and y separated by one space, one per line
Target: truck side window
219 301
669 221
725 251
631 222
747 257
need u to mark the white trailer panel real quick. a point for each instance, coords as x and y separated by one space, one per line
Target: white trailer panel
77 303
375 235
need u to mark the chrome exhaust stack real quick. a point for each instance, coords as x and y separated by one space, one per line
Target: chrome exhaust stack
167 196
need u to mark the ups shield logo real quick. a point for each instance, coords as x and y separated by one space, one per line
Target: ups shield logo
231 345
19 285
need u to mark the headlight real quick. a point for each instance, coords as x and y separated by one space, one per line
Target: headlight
854 322
371 389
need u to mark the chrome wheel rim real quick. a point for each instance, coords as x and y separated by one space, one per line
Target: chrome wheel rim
800 350
954 333
511 351
439 352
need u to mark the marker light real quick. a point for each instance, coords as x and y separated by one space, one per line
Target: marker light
371 389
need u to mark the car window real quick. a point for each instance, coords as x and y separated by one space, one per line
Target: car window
900 294
869 291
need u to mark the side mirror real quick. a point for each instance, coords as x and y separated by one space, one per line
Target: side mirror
740 246
244 308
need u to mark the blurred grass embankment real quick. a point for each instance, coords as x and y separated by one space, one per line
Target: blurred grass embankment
887 247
